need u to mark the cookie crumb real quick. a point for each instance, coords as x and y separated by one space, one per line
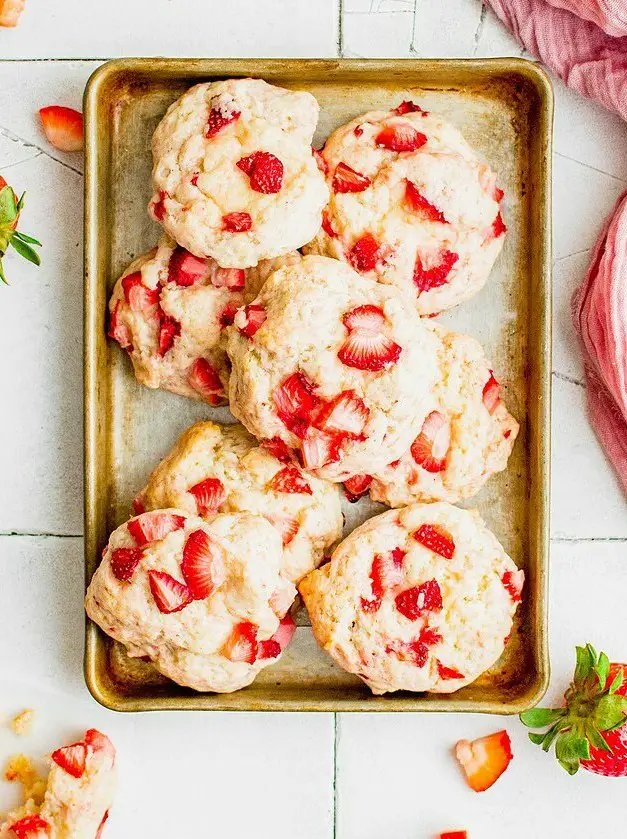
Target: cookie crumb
22 724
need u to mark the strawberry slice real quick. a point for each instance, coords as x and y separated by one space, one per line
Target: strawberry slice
232 278
202 565
264 170
139 297
219 118
498 225
484 760
319 448
454 834
124 561
320 161
251 319
430 447
169 330
295 401
436 276
152 527
436 538
369 351
274 646
63 127
185 269
364 254
415 601
346 179
327 226
99 742
417 203
368 317
447 673
119 330
287 526
228 314
491 394
31 827
242 645
169 595
514 581
291 480
408 107
237 222
356 487
210 495
72 759
400 137
345 415
278 448
386 573
204 379
158 207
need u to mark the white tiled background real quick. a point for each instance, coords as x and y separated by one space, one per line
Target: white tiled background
275 776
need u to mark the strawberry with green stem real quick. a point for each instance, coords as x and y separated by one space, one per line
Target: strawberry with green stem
10 209
591 729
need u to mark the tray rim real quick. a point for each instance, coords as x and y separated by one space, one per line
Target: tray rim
540 477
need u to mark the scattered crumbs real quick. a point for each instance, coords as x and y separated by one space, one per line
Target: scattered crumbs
20 769
22 724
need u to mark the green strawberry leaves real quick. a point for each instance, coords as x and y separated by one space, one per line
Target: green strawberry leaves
10 209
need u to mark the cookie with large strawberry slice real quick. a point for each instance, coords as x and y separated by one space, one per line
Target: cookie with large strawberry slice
204 600
421 599
411 205
219 469
234 176
339 369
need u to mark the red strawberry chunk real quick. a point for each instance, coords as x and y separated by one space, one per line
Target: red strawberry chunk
237 222
346 179
99 742
484 760
124 561
345 415
491 394
185 269
169 330
269 649
210 495
242 643
264 170
158 207
430 447
204 379
139 297
287 526
386 573
448 673
417 203
408 107
367 317
152 527
436 276
327 226
498 226
138 505
436 538
228 314
514 582
400 137
320 161
273 647
279 449
119 330
31 827
358 130
454 834
232 278
202 566
63 127
319 448
169 595
369 351
356 487
72 759
364 254
254 317
497 194
101 827
415 601
218 119
414 652
295 401
290 480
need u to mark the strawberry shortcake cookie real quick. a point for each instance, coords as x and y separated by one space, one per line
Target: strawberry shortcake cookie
223 469
412 206
77 795
206 602
234 176
333 365
419 599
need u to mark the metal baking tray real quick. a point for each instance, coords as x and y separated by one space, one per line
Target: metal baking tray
505 108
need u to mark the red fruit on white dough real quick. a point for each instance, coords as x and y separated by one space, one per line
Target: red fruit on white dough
320 161
295 401
185 269
448 673
409 107
367 347
237 222
484 760
169 594
356 487
241 645
345 415
274 646
101 827
368 317
386 574
278 448
124 561
169 330
491 394
437 274
218 119
498 226
232 278
210 495
400 137
287 526
204 378
119 330
228 314
72 759
31 827
283 596
139 297
365 253
264 170
63 127
152 527
415 601
319 448
99 742
291 480
436 538
430 447
417 203
202 566
514 581
346 179
250 319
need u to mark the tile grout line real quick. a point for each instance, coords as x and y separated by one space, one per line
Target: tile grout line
15 138
588 166
340 29
570 379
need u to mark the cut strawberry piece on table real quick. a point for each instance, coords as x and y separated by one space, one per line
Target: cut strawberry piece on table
124 561
319 449
237 222
448 673
279 449
484 760
169 330
514 581
346 415
251 319
169 594
364 254
295 401
408 107
202 566
63 127
232 278
242 643
369 351
419 204
415 601
491 394
152 527
290 480
228 314
31 827
185 269
498 226
356 487
264 170
430 447
287 526
346 179
139 297
219 118
72 759
436 538
400 137
119 330
386 573
437 275
210 495
204 379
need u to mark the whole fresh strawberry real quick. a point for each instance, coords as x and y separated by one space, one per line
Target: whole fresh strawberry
10 209
591 729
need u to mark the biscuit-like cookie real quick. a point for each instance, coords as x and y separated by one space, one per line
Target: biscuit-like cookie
411 205
420 599
77 796
334 365
205 601
234 177
223 469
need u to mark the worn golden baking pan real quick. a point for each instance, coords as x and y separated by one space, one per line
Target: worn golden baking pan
505 108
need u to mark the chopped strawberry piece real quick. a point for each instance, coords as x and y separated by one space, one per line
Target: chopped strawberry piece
346 179
386 573
364 254
327 225
169 595
158 207
414 652
202 565
279 641
251 319
242 643
119 330
409 107
484 760
346 415
269 649
279 449
210 495
99 742
498 226
237 222
228 314
169 330
204 379
491 394
514 582
287 526
415 601
139 297
320 161
429 636
430 447
417 203
436 276
497 194
454 834
290 479
194 179
367 350
295 401
400 137
356 487
264 170
31 827
152 527
63 127
72 759
436 538
232 278
218 119
368 317
358 130
448 673
138 505
124 561
185 269
319 448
